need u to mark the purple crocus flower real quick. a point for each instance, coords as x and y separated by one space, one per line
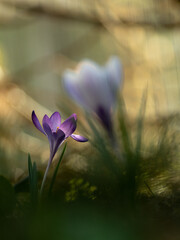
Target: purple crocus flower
57 132
95 87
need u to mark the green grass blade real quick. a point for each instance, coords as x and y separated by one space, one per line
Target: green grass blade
33 181
30 167
125 134
98 138
34 184
56 170
140 124
100 145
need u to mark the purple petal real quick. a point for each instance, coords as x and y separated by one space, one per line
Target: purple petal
69 125
88 85
105 117
36 122
55 139
79 138
74 115
114 73
58 137
46 120
55 120
47 129
49 133
71 84
95 86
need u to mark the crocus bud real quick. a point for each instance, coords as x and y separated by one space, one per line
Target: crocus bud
95 87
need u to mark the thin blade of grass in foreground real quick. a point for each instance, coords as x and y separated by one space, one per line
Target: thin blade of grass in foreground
134 165
140 125
126 138
99 139
100 145
56 170
132 154
30 167
33 181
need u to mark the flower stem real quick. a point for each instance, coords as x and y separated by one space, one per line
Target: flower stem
45 176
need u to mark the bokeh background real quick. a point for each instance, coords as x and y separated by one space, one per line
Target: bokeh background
40 39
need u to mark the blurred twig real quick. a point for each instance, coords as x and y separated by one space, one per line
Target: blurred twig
105 11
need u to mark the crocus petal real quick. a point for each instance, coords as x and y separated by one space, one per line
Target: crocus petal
79 138
46 120
55 120
55 139
105 117
76 85
114 73
69 125
58 137
36 122
49 133
94 86
71 84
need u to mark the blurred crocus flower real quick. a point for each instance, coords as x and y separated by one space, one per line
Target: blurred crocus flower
95 87
57 132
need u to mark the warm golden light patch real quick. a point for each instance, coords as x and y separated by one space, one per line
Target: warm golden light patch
1 73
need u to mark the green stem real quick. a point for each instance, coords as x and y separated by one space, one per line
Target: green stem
45 176
56 170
